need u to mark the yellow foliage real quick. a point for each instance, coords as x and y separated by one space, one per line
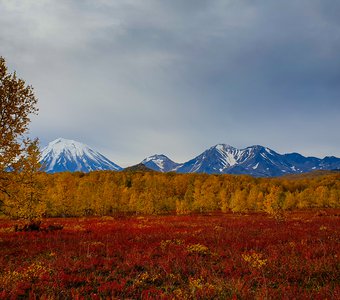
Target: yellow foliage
33 272
198 249
199 284
254 259
165 243
108 193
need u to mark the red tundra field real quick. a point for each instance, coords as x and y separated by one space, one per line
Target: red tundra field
220 256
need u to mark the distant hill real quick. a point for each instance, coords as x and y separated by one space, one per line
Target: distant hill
138 168
312 174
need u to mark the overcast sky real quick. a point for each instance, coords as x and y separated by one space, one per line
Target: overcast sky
132 78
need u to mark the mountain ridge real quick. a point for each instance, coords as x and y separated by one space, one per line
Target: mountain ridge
63 155
254 160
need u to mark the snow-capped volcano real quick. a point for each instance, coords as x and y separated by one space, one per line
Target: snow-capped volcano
161 163
67 155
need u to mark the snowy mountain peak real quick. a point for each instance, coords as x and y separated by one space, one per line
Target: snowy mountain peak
222 147
68 155
160 163
66 142
61 145
216 159
155 157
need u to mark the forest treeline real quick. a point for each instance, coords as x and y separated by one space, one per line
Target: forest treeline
109 193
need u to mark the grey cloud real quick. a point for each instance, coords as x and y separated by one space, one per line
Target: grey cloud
138 77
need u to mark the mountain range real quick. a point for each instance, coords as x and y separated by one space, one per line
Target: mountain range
256 160
67 155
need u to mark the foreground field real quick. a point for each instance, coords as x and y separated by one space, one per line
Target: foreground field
217 256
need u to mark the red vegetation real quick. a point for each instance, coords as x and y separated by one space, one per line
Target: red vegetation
223 256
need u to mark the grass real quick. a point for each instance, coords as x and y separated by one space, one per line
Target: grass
220 256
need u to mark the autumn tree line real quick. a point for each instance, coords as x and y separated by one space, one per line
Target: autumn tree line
28 194
108 193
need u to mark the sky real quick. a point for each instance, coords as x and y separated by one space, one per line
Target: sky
134 78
